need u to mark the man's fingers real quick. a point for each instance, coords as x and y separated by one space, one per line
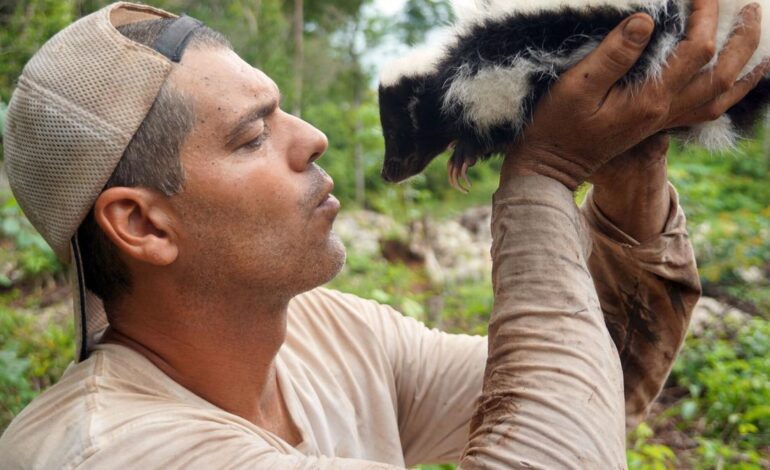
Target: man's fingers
696 49
612 59
712 83
721 104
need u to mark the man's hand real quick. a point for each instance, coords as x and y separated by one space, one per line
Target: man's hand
587 118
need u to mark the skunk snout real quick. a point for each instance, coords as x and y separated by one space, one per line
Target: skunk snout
393 171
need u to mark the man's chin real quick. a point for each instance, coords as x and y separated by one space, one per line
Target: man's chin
338 255
326 265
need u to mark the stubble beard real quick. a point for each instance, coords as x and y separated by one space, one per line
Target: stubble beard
268 266
270 270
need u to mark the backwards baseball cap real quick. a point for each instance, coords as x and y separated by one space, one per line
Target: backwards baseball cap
78 103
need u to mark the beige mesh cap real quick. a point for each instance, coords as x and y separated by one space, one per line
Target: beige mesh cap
77 105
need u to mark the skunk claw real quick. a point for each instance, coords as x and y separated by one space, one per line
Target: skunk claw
453 175
464 175
463 157
450 173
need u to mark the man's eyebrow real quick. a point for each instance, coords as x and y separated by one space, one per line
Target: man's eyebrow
255 114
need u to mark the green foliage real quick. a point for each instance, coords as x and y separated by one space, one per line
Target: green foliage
17 391
419 16
729 392
387 283
727 201
31 255
24 26
3 110
714 454
644 455
34 351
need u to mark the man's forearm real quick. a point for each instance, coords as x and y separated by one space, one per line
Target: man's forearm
632 189
553 391
647 291
643 267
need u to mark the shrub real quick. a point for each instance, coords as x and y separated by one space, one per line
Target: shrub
35 348
729 404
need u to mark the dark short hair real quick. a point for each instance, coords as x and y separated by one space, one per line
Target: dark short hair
151 160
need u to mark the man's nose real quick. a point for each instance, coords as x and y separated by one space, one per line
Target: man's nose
308 146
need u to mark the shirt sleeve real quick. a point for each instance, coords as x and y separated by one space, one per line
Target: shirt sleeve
553 390
647 292
438 380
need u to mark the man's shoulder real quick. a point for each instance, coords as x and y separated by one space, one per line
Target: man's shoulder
61 424
54 427
95 401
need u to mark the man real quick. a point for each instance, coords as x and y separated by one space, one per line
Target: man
205 227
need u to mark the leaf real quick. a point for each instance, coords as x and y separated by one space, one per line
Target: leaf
747 428
689 410
412 309
11 226
380 296
758 412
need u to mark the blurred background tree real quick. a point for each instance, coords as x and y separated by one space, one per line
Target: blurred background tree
421 246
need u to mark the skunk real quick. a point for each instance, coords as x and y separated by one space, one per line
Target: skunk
477 90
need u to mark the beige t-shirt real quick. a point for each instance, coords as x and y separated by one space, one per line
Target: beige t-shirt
360 381
369 388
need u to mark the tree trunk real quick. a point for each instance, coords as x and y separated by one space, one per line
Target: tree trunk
251 15
299 56
358 150
358 126
766 140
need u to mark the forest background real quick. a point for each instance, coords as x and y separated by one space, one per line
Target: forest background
325 55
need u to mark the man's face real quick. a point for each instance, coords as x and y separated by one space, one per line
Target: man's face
256 211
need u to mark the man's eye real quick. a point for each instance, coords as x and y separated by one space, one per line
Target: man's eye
257 143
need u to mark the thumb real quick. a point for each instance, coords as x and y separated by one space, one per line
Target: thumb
614 57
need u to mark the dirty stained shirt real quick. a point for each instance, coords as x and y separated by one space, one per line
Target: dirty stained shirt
369 388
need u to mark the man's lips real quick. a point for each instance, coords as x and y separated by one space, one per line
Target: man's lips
330 203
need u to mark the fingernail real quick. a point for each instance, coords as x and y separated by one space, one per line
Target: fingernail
637 30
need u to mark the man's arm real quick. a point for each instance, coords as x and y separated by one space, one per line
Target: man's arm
553 388
643 267
648 291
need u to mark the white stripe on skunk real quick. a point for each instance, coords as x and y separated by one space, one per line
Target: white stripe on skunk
478 88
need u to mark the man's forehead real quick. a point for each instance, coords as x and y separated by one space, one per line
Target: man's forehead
218 79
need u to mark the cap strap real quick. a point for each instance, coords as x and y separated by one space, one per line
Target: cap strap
173 39
77 261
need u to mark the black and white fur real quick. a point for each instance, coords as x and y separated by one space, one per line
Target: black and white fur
477 90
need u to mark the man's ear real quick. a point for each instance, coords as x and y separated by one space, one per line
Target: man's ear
138 222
